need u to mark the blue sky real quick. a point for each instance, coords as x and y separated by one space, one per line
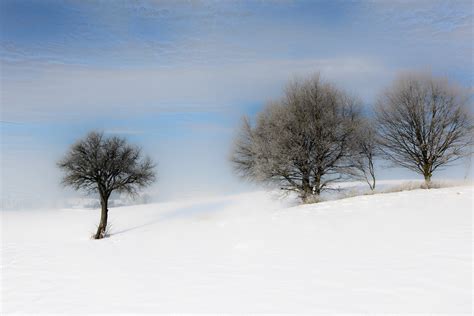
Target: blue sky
177 76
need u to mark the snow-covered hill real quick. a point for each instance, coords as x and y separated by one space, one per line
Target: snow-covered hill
397 252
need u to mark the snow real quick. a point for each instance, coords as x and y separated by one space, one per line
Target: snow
404 252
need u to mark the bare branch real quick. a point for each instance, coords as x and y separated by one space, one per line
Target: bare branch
423 123
103 165
300 141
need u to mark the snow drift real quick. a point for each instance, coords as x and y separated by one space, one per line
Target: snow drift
397 252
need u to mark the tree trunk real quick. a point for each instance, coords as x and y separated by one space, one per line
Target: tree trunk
103 219
306 186
372 185
427 180
307 190
317 184
427 175
372 174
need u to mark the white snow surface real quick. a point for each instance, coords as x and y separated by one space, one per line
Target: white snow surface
404 252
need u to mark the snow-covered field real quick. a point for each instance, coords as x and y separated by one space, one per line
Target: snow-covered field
404 252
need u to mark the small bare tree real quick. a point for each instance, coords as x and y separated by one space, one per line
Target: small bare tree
302 141
423 123
364 151
99 164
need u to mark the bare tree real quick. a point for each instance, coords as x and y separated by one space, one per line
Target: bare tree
302 141
364 151
423 123
99 164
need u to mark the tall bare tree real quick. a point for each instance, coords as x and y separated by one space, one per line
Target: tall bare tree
99 164
364 152
423 122
302 141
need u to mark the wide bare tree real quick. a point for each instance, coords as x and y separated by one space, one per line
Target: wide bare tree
100 164
302 141
423 123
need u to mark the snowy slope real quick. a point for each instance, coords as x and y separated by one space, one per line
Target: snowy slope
398 252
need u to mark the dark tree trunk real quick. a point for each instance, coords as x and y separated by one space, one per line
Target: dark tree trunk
310 193
103 219
317 184
427 175
427 180
307 190
372 184
372 173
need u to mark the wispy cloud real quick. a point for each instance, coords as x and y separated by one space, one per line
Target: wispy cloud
123 131
82 90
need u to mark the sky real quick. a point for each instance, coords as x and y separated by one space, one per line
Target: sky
176 77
